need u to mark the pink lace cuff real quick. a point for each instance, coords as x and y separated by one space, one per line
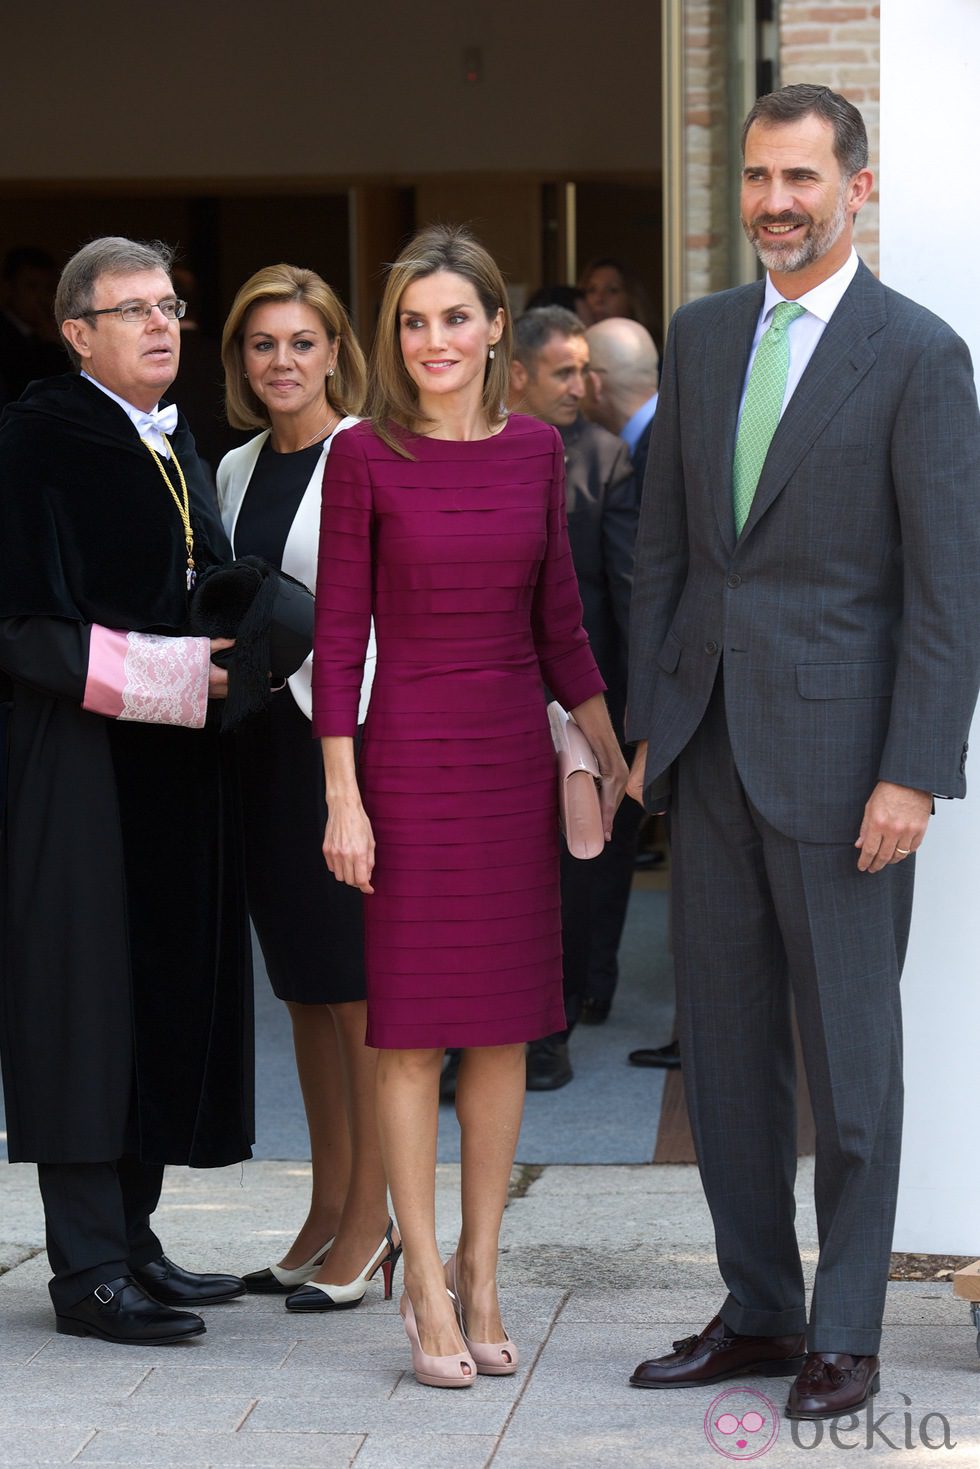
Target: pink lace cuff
147 678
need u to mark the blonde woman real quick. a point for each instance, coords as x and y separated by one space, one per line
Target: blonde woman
294 371
446 520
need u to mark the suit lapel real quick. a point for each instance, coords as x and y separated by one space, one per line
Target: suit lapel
724 374
841 358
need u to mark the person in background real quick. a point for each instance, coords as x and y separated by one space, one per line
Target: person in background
446 519
294 370
624 376
30 343
570 297
610 288
549 378
126 1006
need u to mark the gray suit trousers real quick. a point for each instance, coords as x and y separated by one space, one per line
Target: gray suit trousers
760 918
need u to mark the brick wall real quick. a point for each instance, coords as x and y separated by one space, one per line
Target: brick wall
833 42
836 43
706 160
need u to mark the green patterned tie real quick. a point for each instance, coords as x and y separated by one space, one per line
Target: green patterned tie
760 413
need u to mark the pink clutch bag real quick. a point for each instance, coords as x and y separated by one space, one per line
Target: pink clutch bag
578 785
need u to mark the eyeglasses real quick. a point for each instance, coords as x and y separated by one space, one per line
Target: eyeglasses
173 309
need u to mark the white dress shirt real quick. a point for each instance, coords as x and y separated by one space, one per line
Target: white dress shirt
136 416
633 427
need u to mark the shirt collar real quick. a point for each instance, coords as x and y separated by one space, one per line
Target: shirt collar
130 409
824 299
633 427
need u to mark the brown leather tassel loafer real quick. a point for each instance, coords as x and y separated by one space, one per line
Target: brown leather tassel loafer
832 1383
716 1354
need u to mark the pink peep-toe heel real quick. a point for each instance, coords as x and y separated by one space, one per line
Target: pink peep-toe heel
457 1370
493 1359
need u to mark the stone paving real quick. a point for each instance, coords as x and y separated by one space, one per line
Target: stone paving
601 1266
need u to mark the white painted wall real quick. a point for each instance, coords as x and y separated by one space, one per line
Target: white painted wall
930 224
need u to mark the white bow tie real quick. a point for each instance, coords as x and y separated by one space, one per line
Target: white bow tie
163 420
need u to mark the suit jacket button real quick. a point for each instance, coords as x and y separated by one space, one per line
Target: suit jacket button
711 646
734 580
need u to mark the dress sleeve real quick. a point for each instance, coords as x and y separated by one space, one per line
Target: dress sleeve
343 588
567 665
130 676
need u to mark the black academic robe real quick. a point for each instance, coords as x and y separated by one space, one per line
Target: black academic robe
125 972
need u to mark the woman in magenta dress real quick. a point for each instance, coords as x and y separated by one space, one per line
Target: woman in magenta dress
446 520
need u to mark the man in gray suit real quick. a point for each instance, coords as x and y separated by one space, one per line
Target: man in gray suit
804 665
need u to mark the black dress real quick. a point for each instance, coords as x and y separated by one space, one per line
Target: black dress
309 925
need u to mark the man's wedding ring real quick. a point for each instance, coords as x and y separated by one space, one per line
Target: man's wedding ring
903 851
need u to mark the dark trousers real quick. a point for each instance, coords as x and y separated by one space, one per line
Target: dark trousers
594 898
97 1222
757 918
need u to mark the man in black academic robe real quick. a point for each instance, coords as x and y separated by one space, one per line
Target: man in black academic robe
125 981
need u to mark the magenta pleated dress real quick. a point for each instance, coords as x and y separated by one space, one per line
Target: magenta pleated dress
461 554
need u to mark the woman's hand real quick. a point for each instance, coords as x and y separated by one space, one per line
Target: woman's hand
348 841
348 845
592 718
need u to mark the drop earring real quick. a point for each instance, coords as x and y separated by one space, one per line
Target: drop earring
491 354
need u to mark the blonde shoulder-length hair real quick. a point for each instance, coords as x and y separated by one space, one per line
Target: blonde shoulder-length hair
345 390
393 400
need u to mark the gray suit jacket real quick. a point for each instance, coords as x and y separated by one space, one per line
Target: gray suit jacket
847 614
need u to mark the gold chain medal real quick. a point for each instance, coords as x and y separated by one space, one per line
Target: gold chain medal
182 501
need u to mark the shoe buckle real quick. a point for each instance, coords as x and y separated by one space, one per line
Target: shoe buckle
103 1300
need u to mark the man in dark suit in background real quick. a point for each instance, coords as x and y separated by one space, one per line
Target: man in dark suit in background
624 373
548 379
805 663
624 377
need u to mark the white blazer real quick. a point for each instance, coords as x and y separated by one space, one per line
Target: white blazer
300 551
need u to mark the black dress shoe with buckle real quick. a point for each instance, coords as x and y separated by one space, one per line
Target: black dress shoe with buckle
121 1311
172 1285
832 1383
668 1057
548 1066
716 1354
